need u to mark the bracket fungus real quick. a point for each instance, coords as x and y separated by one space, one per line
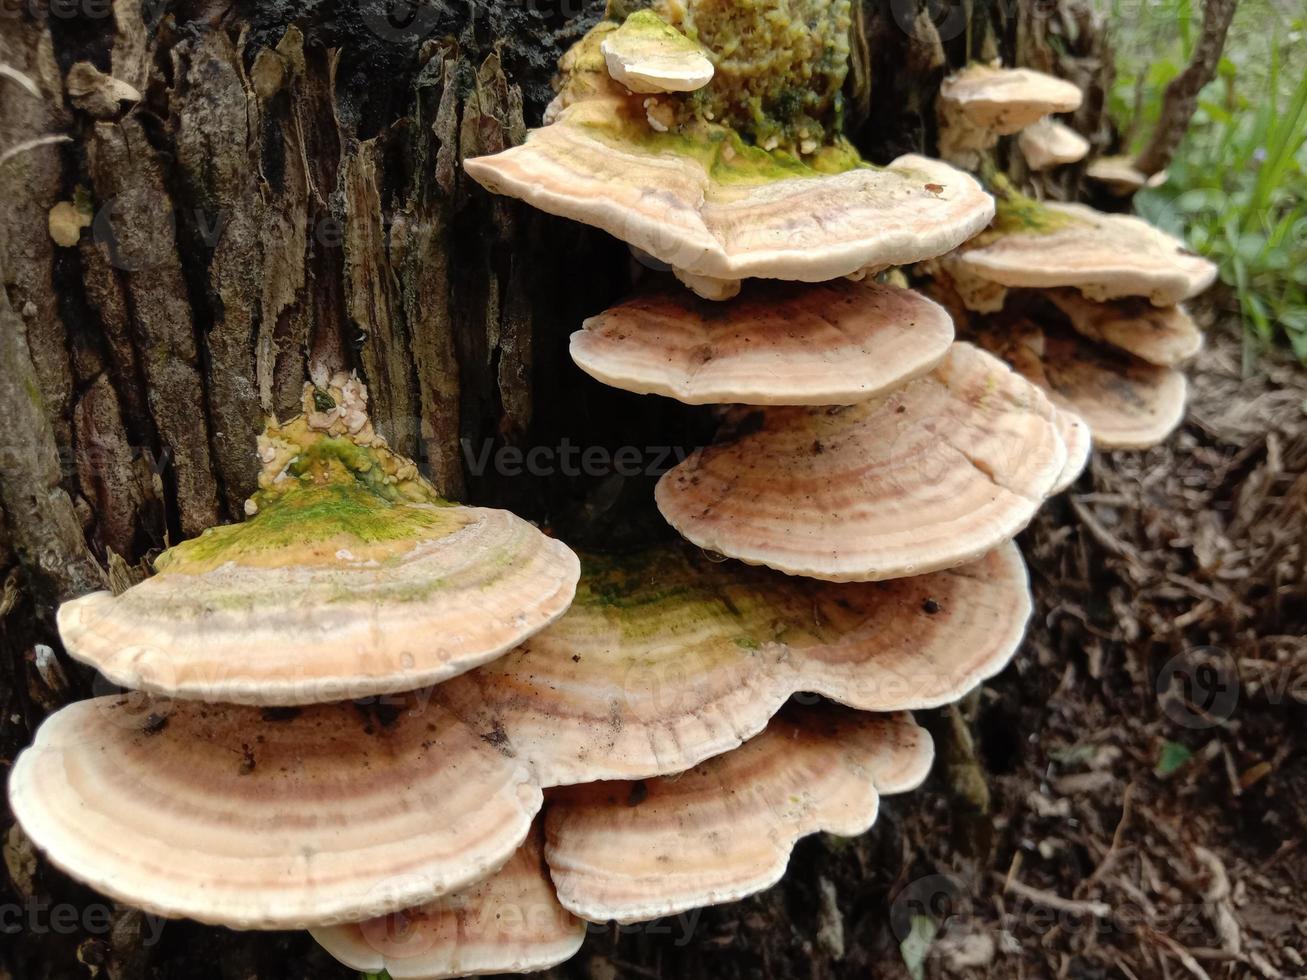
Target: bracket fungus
1048 143
1079 441
1121 177
980 103
1126 402
511 922
1104 256
931 476
1164 335
745 177
646 54
725 829
269 820
833 343
667 658
351 577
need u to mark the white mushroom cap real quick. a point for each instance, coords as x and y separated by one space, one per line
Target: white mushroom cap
931 476
511 922
350 578
1105 256
1006 100
1049 143
725 829
1162 335
668 657
1127 403
736 220
832 343
1120 175
646 54
244 819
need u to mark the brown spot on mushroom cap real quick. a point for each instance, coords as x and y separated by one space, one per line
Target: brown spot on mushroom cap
960 469
1049 143
329 824
1105 256
725 829
511 922
1164 335
1126 402
1006 100
682 658
832 343
668 203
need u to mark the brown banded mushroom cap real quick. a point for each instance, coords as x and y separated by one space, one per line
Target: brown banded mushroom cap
1006 100
1164 335
1127 403
1049 143
1105 256
1078 441
250 820
511 922
351 578
646 54
931 476
832 343
1121 177
685 205
667 658
725 829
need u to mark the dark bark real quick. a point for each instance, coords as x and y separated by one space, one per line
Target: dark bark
288 199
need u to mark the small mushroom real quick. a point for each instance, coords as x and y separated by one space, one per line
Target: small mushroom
646 54
1164 335
1048 143
1126 402
980 103
1105 256
250 820
725 829
719 209
667 658
1121 177
931 476
352 578
832 343
511 922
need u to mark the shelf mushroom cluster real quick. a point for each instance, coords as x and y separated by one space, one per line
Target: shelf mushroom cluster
1087 305
443 742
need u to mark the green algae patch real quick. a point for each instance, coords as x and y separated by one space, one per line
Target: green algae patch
311 524
645 28
723 153
1017 214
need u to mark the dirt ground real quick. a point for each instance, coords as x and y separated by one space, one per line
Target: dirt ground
1133 804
